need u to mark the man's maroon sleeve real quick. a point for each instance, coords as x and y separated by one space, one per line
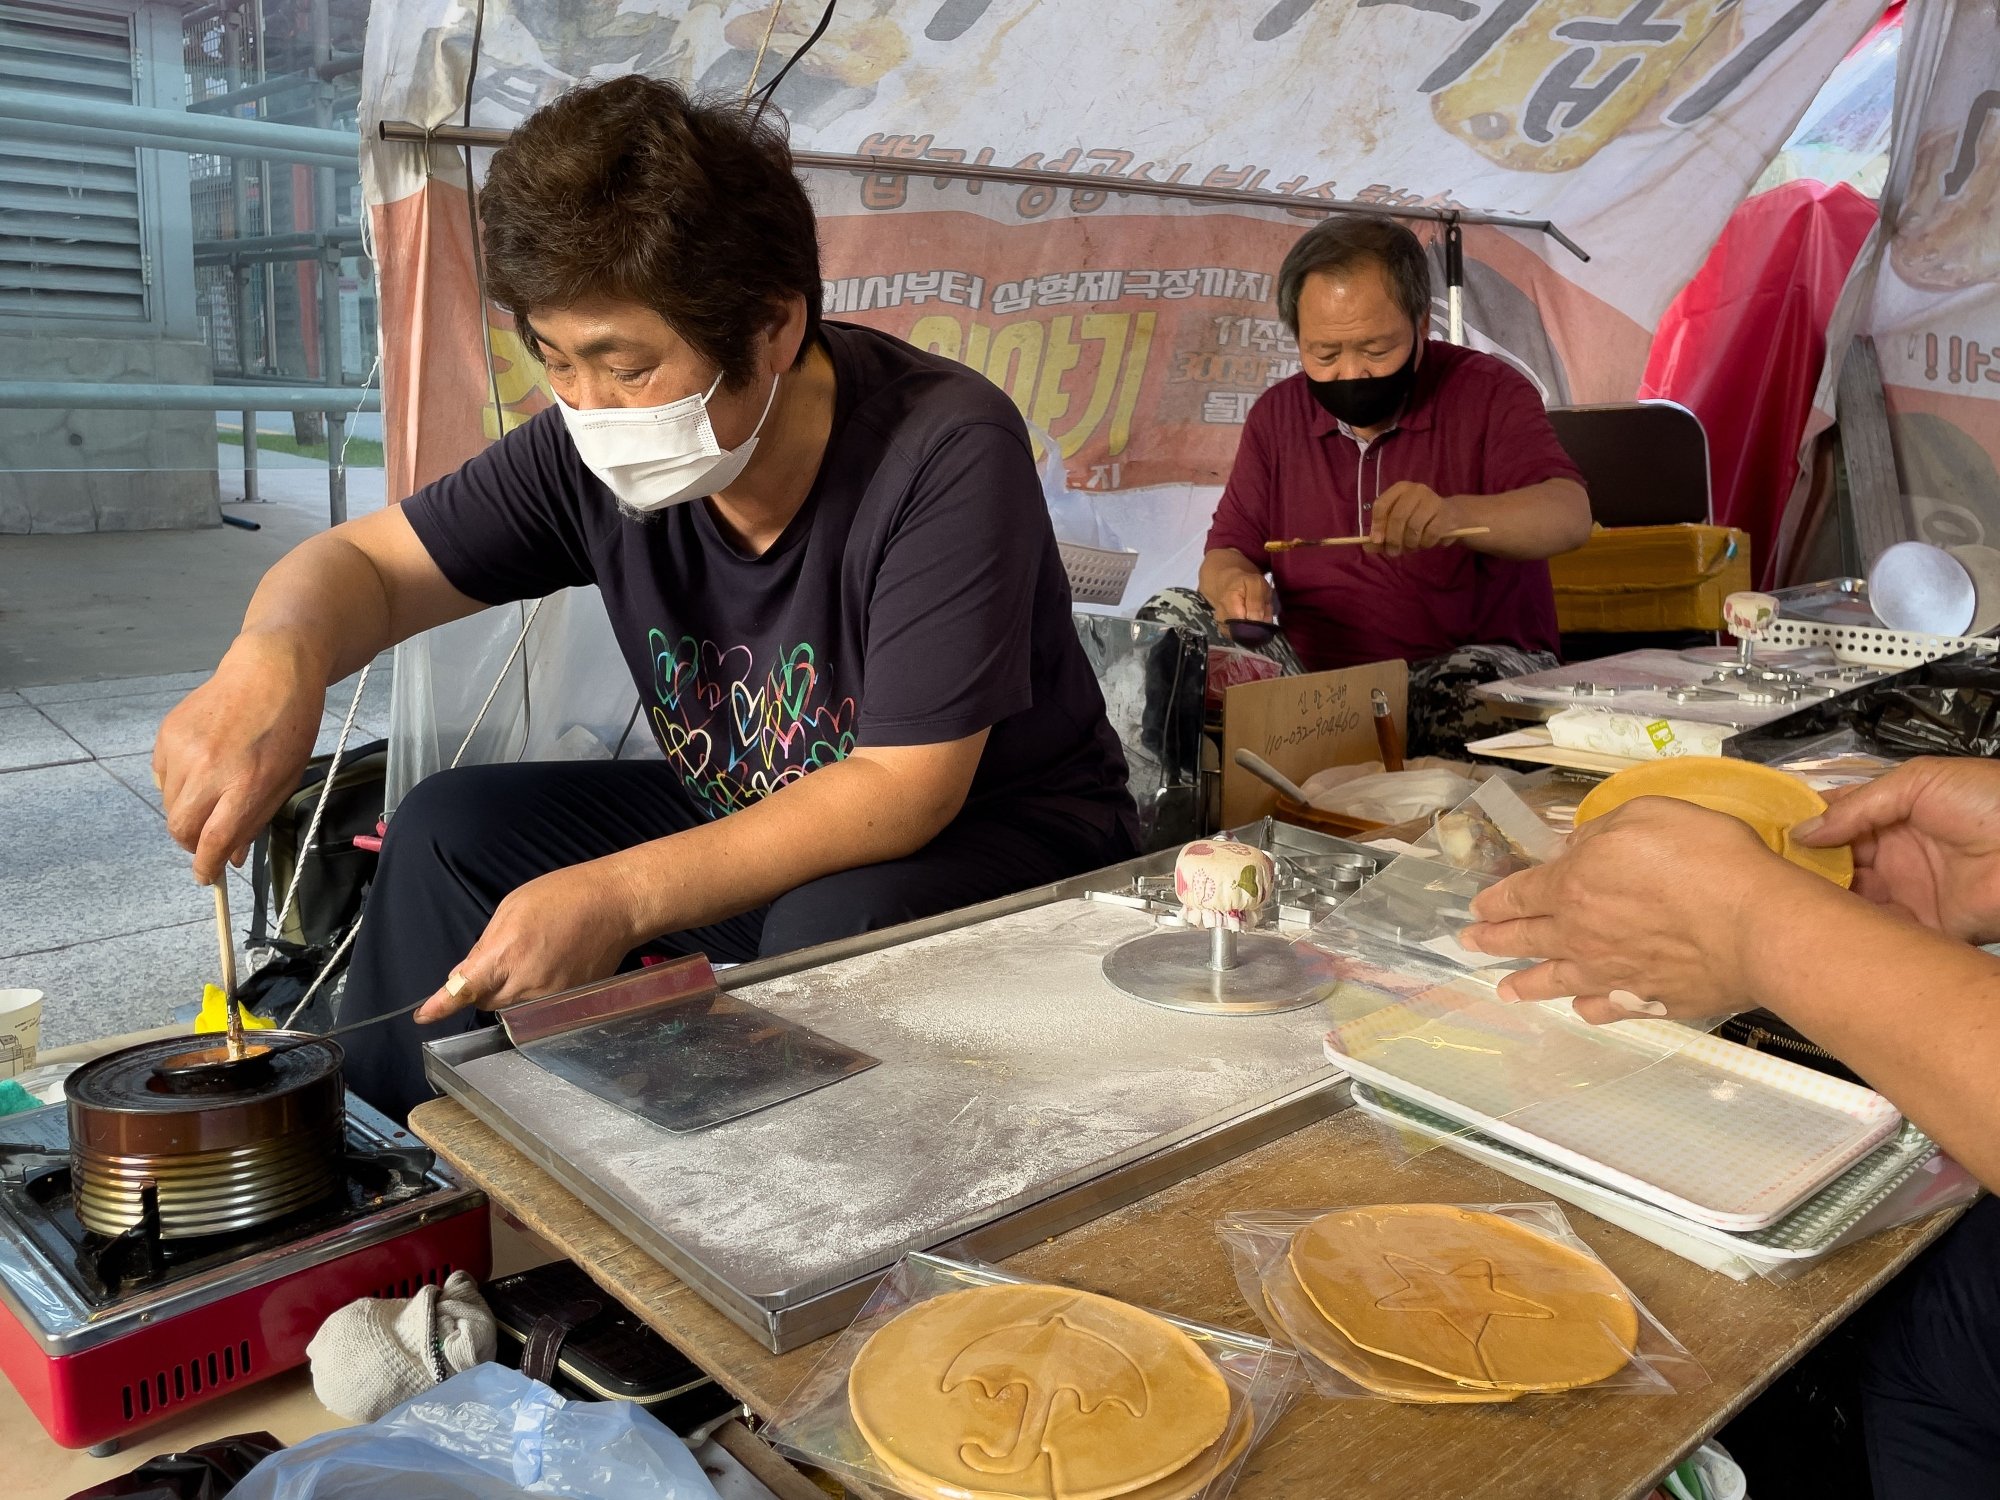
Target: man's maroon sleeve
1521 444
1244 516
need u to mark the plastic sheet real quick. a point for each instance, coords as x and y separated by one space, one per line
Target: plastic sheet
488 1434
1498 830
1152 677
1528 1301
815 1423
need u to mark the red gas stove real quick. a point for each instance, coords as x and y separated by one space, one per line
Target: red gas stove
103 1334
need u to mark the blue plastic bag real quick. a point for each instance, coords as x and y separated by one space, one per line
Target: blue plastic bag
488 1434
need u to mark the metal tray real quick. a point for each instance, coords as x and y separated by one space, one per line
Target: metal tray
974 1131
1831 601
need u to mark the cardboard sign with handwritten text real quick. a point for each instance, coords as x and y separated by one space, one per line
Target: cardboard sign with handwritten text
1302 725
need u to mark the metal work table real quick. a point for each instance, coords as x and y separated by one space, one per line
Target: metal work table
1162 1252
1018 1093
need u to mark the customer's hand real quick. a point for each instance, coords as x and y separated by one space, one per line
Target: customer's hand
1410 517
1245 596
232 750
1651 910
1926 840
566 928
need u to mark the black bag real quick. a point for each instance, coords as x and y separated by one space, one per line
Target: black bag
336 871
1761 1031
208 1472
332 886
557 1326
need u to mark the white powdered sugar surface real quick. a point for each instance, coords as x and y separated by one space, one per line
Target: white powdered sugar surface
1010 1069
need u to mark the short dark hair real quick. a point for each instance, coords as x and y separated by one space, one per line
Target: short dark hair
1345 240
631 188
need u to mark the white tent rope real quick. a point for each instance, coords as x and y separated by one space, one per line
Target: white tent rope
319 807
494 692
347 942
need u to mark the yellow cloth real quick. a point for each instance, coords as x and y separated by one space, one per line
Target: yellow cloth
215 1013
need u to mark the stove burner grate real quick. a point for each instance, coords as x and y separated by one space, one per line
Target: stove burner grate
103 1268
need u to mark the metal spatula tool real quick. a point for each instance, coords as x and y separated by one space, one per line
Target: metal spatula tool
671 1046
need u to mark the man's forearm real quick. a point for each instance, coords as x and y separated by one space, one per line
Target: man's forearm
1221 566
838 818
325 602
1543 520
1915 1013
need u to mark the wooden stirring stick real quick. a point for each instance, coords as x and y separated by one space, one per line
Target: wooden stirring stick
227 939
1356 541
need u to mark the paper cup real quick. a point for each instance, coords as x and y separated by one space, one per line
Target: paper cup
20 1030
1983 563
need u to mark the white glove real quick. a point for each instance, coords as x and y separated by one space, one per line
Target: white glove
373 1355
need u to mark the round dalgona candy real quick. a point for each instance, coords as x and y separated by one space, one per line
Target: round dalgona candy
1293 1314
1475 1297
1771 802
1182 1484
1034 1391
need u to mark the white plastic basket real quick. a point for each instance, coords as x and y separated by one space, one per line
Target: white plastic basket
1862 646
1097 575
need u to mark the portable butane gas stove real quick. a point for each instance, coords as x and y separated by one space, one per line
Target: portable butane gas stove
103 1334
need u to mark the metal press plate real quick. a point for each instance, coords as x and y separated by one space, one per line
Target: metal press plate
697 1062
1171 968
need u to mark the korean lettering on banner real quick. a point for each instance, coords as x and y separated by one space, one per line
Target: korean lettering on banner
1543 85
1079 350
890 190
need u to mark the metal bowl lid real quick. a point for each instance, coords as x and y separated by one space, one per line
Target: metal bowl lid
130 1081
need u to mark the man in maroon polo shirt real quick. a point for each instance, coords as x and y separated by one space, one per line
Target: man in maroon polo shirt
1389 434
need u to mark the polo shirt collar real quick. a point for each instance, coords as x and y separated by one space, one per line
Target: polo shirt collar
1418 412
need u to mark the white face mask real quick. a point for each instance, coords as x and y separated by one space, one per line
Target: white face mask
651 457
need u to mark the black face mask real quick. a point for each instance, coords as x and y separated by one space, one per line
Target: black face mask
1369 400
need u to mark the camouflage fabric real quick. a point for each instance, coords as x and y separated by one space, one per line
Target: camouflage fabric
1187 611
1444 712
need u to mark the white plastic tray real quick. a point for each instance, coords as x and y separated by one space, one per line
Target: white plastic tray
1701 1127
1862 645
1097 575
1808 1231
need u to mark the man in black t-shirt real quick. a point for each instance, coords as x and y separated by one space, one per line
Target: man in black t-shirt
825 557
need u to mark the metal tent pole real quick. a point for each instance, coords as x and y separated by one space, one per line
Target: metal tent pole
326 209
239 272
1081 182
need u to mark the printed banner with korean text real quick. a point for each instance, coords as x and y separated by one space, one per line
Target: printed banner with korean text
1134 331
1926 289
1935 317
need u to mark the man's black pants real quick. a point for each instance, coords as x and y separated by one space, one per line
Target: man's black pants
461 840
1931 1386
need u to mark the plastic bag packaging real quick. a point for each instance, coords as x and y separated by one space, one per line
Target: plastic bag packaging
1071 512
1842 758
1405 922
208 1472
488 1434
1932 719
816 1423
1420 789
1496 832
1472 1310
